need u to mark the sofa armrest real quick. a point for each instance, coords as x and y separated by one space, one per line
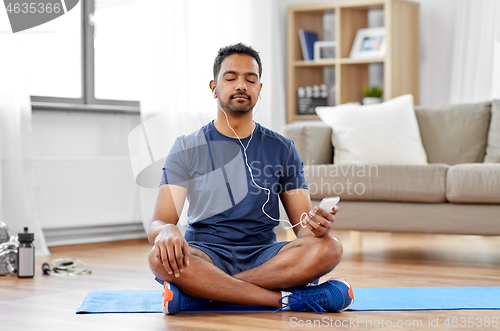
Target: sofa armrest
313 142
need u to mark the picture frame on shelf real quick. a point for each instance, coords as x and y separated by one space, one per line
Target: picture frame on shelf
324 50
369 43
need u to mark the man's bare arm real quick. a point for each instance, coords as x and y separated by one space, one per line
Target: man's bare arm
168 208
169 243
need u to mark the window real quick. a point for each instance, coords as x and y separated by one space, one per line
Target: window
115 50
53 57
86 59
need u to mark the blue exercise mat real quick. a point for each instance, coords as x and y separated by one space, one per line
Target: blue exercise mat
426 298
122 302
366 299
98 302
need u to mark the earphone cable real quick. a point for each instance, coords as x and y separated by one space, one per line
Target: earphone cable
304 214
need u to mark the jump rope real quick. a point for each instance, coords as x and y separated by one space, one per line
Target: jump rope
304 215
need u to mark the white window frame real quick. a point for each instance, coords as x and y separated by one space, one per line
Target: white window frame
88 101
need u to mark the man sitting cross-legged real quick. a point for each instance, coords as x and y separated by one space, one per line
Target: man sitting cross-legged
233 171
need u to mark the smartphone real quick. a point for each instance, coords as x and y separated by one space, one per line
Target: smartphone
327 204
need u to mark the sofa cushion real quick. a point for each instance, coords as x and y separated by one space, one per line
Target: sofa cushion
411 183
312 141
454 134
385 133
493 146
473 183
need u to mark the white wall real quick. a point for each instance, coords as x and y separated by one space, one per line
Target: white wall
78 135
437 31
84 177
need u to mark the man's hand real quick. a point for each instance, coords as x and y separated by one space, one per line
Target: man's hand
172 249
320 221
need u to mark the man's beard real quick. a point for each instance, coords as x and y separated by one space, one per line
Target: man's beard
235 106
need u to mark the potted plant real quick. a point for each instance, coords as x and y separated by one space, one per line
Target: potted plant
372 95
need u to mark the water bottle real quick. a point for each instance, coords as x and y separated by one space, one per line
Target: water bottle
26 255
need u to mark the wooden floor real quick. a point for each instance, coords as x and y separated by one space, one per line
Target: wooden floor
49 302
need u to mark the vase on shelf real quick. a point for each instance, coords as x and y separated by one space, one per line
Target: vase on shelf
371 100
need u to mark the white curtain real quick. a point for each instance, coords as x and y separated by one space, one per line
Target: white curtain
17 180
180 41
476 55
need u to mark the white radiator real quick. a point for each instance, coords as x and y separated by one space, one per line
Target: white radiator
84 200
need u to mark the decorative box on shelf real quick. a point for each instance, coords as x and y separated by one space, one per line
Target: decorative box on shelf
307 105
310 97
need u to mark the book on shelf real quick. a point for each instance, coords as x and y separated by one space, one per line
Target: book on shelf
328 26
307 40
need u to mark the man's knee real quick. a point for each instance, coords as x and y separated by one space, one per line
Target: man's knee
158 268
328 251
333 248
156 265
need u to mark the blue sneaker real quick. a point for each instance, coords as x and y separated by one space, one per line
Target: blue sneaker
334 295
174 301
